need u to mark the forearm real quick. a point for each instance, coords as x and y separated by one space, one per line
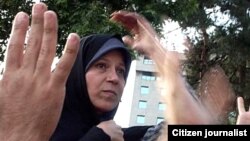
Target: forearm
22 135
176 93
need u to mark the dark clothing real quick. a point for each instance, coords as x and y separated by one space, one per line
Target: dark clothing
95 134
154 132
135 133
78 120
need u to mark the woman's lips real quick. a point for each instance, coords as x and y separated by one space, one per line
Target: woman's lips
110 92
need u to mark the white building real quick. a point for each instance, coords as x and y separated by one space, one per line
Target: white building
147 107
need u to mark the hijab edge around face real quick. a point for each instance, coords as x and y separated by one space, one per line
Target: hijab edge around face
110 45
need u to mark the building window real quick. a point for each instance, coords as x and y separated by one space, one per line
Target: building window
140 119
144 90
159 119
142 104
148 76
161 106
146 60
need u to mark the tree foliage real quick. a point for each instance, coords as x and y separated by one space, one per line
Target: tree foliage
81 16
227 44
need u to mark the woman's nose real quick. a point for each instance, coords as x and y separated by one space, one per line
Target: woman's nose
113 76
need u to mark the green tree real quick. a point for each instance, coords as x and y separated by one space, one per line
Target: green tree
81 16
228 44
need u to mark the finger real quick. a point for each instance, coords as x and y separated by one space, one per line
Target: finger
131 43
134 45
35 36
123 12
65 64
16 42
126 19
49 41
240 105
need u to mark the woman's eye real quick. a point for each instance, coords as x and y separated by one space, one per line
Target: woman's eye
121 71
101 66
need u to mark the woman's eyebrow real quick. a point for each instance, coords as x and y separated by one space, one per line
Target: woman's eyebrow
122 64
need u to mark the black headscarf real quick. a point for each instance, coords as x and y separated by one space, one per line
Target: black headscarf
78 114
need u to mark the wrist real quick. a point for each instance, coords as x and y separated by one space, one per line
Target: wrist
157 52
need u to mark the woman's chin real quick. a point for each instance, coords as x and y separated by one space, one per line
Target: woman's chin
106 108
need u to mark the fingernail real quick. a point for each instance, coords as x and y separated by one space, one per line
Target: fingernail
21 16
38 7
73 37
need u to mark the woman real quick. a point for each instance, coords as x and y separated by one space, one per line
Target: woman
93 92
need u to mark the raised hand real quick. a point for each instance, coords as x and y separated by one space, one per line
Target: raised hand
143 37
31 96
216 94
180 103
243 115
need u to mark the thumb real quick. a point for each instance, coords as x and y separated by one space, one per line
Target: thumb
129 41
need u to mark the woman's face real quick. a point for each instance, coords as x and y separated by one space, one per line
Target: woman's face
105 81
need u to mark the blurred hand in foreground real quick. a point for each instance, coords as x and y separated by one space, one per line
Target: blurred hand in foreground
144 39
